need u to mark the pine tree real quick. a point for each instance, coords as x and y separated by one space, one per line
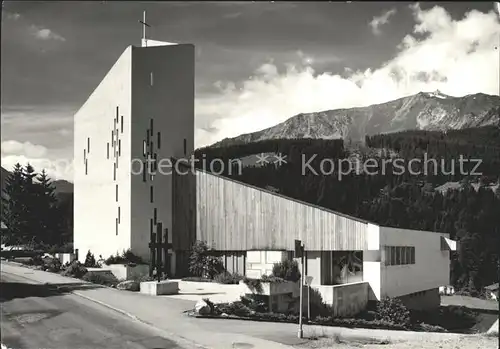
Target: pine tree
13 208
30 202
49 221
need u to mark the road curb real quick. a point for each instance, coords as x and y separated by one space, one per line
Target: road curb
76 293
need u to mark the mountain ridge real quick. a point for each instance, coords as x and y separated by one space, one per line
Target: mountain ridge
422 111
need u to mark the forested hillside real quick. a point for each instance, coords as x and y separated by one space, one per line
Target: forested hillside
390 198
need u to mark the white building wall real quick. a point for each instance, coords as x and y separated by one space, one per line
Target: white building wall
163 91
431 268
371 261
145 83
95 204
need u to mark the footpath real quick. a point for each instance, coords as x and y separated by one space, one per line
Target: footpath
167 314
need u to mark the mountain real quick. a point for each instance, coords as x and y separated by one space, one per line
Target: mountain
424 111
61 186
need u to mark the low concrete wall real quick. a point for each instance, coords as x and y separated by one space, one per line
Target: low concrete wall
65 257
424 300
347 300
127 272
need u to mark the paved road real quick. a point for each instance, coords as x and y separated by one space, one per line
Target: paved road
37 316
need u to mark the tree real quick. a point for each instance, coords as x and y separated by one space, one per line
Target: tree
30 199
47 215
202 262
13 209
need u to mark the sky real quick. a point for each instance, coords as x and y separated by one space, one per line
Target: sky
257 63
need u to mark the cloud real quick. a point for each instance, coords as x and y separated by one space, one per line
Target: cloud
46 34
14 152
378 21
458 57
26 149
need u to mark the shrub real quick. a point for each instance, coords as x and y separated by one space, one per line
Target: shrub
90 260
100 278
228 278
75 269
52 265
235 308
255 285
287 270
255 302
127 257
203 262
393 310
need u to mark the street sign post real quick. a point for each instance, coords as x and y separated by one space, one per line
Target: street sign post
299 252
309 280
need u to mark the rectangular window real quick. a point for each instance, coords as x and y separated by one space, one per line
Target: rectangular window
84 154
144 172
398 255
155 216
159 141
107 150
114 171
403 255
147 136
144 148
119 147
112 135
151 78
412 251
121 124
151 126
88 144
393 255
151 226
116 194
151 198
116 225
185 146
119 215
86 167
151 146
117 112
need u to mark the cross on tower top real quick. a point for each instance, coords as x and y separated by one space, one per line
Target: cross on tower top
144 25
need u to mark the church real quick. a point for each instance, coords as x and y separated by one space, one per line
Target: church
142 114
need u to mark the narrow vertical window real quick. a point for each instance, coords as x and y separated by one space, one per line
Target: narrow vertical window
151 78
151 226
116 193
112 135
114 171
86 166
155 163
151 126
117 112
185 146
84 154
88 144
121 124
119 147
158 141
144 172
116 225
107 150
151 198
119 215
144 148
155 216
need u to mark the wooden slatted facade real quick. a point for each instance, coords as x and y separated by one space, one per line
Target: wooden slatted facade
233 216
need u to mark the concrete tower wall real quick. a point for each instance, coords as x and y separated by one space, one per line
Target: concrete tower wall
146 97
